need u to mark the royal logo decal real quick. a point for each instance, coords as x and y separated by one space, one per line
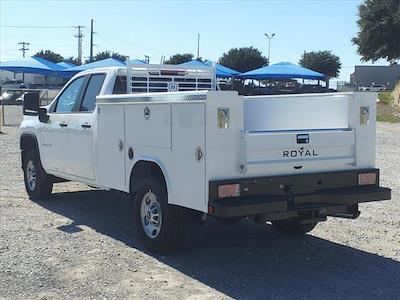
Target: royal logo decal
299 153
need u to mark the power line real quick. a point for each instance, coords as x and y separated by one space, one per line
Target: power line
80 36
125 42
23 49
38 27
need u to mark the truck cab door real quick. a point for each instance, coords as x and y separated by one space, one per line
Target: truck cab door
54 134
82 125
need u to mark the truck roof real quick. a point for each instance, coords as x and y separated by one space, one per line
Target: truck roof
97 70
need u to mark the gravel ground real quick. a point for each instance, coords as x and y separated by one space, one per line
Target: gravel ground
82 245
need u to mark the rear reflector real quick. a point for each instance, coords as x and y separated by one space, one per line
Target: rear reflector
366 178
229 190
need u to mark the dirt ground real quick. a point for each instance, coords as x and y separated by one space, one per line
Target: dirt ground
81 244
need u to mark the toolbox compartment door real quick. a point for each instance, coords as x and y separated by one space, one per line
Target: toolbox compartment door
149 125
109 143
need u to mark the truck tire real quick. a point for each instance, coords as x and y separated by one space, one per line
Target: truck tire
293 226
159 224
38 184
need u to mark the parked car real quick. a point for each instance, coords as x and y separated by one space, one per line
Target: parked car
12 84
12 97
373 88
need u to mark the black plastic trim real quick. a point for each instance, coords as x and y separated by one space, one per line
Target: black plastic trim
28 135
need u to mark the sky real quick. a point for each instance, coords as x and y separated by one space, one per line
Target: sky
156 28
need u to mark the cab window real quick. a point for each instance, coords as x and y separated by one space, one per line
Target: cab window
92 90
120 85
69 97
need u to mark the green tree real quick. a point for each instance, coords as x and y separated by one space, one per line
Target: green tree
179 59
324 62
107 54
50 56
379 30
243 59
72 60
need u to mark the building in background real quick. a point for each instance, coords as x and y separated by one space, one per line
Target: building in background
366 76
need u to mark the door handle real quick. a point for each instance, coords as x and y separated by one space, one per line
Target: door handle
63 124
86 125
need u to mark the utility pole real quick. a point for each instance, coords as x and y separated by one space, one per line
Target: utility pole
23 48
269 37
198 46
91 40
80 37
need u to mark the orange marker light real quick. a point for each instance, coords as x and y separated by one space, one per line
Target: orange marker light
366 178
229 190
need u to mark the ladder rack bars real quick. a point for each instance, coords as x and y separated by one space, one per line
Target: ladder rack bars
148 78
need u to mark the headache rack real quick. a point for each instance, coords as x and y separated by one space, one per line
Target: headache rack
149 78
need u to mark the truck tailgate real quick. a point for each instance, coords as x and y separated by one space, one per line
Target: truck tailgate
299 149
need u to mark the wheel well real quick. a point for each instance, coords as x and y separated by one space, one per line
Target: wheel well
143 169
28 142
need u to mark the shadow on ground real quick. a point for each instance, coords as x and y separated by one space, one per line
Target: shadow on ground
246 260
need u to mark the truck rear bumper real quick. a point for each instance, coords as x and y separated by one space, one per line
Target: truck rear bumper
328 194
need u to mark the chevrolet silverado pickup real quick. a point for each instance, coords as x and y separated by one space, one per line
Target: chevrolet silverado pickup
178 146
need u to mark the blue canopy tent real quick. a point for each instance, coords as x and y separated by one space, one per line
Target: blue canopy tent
33 64
282 70
194 64
223 69
197 63
108 62
66 64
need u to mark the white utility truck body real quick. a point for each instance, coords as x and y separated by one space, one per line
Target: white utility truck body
276 157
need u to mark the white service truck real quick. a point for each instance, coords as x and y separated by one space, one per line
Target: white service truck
178 146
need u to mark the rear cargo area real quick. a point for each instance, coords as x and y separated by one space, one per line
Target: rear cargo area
308 133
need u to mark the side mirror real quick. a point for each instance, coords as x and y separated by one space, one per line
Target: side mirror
32 107
43 115
31 104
